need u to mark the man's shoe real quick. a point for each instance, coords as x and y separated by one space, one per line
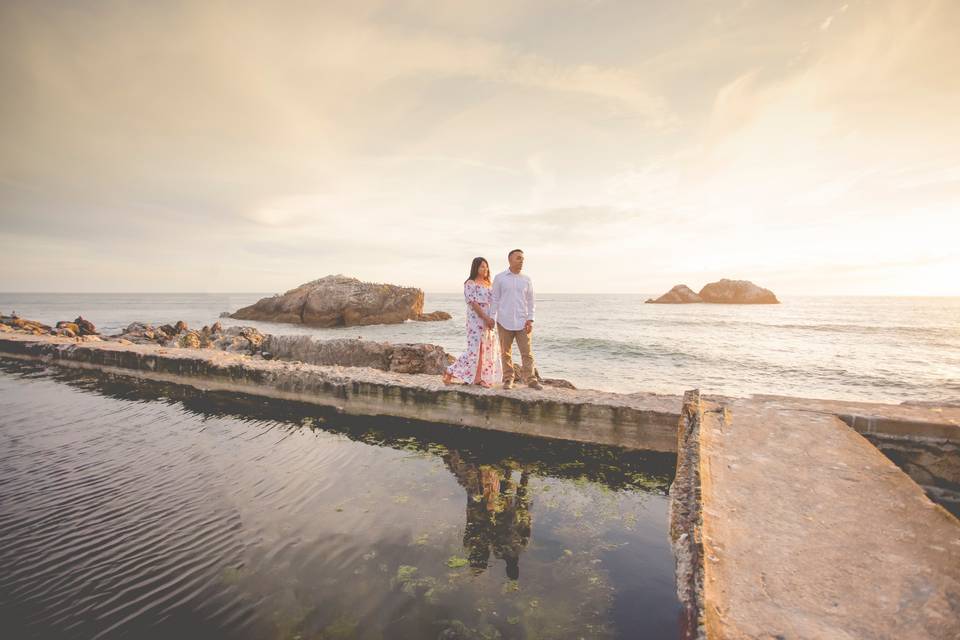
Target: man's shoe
534 384
508 384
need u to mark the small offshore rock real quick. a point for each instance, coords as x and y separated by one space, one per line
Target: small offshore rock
680 294
737 292
434 316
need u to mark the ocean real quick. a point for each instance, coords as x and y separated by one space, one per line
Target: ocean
879 349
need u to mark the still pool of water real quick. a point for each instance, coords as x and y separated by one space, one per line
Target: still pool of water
135 510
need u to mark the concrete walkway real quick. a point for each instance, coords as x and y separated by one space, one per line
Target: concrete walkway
808 531
636 421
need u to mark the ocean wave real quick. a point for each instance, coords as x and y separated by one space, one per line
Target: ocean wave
619 348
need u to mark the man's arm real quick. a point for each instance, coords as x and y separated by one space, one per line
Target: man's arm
495 296
530 305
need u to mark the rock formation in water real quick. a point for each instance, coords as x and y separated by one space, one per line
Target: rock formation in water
339 301
680 294
721 292
737 292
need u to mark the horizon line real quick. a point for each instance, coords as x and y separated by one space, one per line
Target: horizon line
580 293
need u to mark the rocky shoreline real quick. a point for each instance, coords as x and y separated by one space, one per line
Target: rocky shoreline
409 358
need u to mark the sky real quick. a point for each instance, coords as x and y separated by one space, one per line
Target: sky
812 147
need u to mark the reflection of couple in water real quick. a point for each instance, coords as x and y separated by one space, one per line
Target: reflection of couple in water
498 512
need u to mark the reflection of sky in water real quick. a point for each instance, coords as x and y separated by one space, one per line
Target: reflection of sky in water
875 349
240 519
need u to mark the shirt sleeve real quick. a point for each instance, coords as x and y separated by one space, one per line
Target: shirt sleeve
495 297
469 292
530 305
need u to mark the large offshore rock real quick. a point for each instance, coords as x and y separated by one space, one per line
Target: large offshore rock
340 301
680 294
348 352
737 292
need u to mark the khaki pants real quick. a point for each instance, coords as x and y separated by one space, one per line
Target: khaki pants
506 353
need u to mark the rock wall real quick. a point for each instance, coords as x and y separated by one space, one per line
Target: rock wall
400 358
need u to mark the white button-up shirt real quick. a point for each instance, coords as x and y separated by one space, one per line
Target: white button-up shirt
512 300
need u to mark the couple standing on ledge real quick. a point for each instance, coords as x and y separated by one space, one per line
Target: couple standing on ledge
507 306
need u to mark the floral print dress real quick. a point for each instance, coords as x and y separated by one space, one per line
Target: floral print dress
479 339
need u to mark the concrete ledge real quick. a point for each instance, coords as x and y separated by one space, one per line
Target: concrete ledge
637 421
808 531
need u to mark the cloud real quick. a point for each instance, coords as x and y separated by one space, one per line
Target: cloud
396 140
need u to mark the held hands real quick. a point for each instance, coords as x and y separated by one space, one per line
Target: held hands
528 327
488 322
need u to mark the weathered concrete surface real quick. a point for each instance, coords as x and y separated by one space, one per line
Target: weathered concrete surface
637 421
808 531
686 521
923 440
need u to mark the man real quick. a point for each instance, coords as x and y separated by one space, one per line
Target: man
513 304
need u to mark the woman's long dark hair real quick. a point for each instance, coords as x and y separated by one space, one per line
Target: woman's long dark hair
475 268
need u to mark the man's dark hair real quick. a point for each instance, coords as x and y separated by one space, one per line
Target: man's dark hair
509 255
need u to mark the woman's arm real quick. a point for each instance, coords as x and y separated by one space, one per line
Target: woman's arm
487 320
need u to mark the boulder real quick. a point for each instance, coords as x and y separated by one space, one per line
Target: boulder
339 301
86 327
189 340
549 382
737 292
680 294
25 326
237 340
434 316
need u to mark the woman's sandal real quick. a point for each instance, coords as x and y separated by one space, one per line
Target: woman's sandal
447 379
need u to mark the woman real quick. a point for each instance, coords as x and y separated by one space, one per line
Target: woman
480 363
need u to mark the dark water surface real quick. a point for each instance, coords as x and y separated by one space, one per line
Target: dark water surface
136 510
